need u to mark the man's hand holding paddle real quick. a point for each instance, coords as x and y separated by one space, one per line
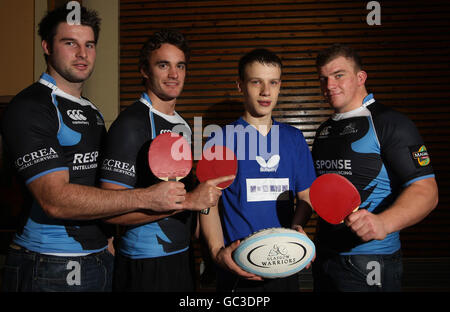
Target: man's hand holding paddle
170 159
336 200
366 225
205 195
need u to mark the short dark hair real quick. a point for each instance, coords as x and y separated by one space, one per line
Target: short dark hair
154 42
262 56
336 50
49 23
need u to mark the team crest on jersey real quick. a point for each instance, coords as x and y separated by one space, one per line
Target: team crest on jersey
270 165
420 156
325 132
349 129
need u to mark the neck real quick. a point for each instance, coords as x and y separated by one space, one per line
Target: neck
262 124
355 103
73 88
165 107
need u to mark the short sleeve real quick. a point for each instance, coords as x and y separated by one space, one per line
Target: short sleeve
402 148
304 165
29 129
124 151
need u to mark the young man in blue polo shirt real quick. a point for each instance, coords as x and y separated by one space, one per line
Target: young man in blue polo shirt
274 167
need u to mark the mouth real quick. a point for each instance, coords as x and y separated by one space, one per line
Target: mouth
81 66
265 103
171 83
332 96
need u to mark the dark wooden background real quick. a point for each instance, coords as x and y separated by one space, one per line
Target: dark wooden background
407 58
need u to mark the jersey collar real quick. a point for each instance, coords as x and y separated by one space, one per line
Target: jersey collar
175 118
145 99
50 82
369 99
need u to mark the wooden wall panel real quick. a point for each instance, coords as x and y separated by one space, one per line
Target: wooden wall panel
407 58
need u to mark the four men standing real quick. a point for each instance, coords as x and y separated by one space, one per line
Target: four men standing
59 157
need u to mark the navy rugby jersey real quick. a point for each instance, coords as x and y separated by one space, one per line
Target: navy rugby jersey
125 163
380 151
47 130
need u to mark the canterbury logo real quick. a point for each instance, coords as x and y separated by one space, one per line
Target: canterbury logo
269 166
76 114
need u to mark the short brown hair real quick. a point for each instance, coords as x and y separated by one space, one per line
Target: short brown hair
262 56
336 50
155 41
50 22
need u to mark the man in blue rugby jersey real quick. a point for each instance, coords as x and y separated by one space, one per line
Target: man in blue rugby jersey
387 161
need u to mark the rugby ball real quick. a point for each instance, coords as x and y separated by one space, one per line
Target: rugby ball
274 252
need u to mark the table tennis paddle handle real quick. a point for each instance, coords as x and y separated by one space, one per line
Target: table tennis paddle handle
351 213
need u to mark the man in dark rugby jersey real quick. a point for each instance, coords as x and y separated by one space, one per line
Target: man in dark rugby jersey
154 251
382 153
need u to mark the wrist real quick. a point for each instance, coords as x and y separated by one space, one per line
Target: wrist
187 204
386 223
215 253
141 199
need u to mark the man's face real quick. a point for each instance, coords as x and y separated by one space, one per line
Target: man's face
167 71
340 83
73 54
261 88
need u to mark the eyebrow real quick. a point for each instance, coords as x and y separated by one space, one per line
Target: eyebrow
333 73
167 62
260 78
338 71
73 39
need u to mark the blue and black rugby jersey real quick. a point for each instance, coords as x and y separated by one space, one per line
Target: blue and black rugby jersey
45 130
380 151
125 163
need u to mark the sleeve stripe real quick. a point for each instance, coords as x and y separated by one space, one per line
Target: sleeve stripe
117 183
44 173
418 179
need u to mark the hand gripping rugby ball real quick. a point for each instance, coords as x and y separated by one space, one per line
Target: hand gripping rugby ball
274 252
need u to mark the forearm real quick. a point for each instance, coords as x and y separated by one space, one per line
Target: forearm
303 209
413 205
211 229
135 217
79 202
63 200
139 217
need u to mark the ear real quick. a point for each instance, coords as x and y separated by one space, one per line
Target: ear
45 47
238 85
362 77
143 73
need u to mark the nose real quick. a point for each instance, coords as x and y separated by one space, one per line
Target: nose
331 83
81 52
173 72
265 89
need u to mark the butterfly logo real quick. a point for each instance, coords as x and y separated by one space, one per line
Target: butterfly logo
270 166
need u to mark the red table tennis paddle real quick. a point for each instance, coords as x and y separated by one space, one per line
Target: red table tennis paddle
170 157
217 161
333 197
